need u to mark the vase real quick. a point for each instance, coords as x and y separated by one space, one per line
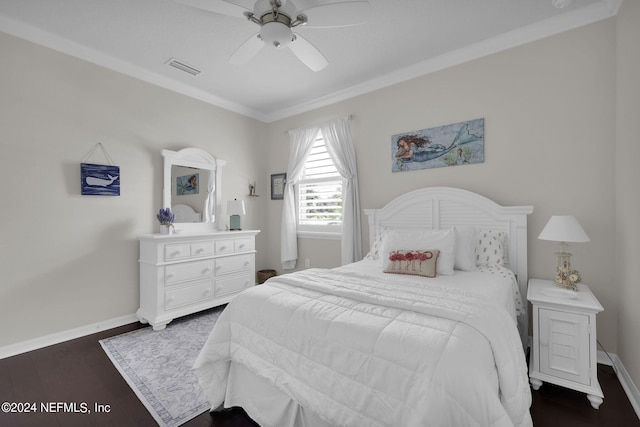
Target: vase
166 228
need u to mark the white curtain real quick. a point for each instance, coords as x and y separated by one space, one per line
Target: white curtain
337 138
300 144
209 214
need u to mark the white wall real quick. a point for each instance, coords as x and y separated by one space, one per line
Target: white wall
549 142
68 260
550 139
627 277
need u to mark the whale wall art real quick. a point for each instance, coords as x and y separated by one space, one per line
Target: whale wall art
100 180
449 145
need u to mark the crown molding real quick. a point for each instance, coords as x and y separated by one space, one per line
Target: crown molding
547 28
52 41
598 11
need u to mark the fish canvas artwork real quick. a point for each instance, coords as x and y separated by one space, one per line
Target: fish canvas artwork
100 180
450 145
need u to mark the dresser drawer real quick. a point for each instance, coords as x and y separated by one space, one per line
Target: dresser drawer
244 244
233 284
225 246
188 271
232 264
202 249
177 251
185 250
177 297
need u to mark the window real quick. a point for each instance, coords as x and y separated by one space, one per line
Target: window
319 194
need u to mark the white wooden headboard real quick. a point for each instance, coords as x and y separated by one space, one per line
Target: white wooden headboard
445 207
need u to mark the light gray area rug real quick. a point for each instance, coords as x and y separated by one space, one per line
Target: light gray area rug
157 366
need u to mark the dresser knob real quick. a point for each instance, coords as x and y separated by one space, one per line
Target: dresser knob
169 275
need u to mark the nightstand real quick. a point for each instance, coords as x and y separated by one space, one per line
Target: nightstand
564 338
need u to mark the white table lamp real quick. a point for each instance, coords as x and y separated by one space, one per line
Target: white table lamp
564 229
235 208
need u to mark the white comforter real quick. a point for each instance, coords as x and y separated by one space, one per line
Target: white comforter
359 352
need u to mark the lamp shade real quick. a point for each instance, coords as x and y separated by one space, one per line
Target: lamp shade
563 228
235 207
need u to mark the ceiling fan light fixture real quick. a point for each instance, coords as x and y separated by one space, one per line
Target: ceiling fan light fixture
278 18
276 34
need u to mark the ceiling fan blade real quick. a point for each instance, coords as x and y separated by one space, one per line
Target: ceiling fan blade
247 50
339 14
221 7
308 53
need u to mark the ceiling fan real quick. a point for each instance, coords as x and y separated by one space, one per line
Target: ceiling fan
278 18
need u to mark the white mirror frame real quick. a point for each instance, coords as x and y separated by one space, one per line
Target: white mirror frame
197 158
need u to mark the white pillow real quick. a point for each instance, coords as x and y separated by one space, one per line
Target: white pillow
443 240
376 246
465 248
490 247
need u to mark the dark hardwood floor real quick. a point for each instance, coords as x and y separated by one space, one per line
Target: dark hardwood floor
79 371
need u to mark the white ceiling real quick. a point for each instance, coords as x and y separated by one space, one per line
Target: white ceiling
403 39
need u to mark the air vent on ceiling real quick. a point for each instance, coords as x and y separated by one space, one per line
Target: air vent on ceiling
173 62
561 3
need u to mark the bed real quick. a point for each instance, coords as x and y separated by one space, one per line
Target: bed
185 213
380 342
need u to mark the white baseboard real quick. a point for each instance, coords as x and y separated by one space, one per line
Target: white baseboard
58 337
625 379
603 359
629 387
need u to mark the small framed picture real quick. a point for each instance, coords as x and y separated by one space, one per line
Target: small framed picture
188 184
278 181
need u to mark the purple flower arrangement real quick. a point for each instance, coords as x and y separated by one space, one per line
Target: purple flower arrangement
166 217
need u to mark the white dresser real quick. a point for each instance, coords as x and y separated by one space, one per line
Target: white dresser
182 274
564 338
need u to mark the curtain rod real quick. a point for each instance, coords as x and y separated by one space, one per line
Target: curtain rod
350 117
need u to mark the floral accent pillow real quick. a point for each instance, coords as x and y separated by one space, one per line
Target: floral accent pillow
413 262
421 240
490 248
